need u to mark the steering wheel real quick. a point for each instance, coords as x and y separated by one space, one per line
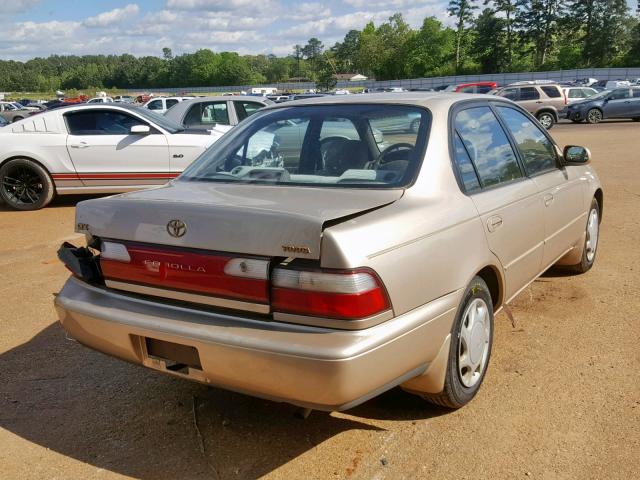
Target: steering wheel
385 153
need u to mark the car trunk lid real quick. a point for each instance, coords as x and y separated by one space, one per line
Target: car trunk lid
284 221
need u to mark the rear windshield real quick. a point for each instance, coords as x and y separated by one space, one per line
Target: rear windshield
374 145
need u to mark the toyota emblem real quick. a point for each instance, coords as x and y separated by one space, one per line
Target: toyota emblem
176 228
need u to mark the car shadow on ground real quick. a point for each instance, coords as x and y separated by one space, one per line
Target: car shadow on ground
120 417
61 201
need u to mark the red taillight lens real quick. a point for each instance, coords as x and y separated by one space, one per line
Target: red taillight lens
349 295
209 274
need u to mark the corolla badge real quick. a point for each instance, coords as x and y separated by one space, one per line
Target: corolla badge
176 228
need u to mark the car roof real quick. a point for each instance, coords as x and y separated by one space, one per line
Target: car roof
430 100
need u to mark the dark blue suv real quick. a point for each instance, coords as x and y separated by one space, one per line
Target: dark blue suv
618 103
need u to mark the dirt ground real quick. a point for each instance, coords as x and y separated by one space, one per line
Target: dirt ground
561 399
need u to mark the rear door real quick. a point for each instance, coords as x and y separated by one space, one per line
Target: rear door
508 203
105 153
561 190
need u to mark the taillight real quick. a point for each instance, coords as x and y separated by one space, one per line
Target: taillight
348 295
210 274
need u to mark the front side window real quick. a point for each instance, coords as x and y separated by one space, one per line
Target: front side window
529 93
367 146
207 114
487 146
619 94
537 151
155 105
100 122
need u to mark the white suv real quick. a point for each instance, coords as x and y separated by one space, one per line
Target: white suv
161 105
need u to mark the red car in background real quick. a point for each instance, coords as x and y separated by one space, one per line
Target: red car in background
475 87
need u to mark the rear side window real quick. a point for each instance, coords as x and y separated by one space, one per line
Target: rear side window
529 93
465 167
207 113
246 109
552 92
510 93
487 145
537 151
171 103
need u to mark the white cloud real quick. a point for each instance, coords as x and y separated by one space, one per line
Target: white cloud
112 17
307 11
17 6
248 6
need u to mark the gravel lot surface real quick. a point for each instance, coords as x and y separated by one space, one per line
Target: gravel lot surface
561 399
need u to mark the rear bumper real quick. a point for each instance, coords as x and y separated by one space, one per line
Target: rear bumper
307 366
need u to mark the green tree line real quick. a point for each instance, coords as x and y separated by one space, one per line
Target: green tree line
485 37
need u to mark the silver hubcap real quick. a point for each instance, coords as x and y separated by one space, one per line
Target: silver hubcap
594 116
473 345
592 234
545 120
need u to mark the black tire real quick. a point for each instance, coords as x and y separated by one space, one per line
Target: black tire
636 119
16 119
455 393
546 119
587 260
594 116
25 185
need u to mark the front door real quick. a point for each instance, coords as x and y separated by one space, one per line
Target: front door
508 203
105 153
618 103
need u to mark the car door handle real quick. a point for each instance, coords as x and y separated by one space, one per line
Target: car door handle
79 145
178 155
539 101
494 223
548 199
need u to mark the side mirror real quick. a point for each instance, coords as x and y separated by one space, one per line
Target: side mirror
576 155
140 130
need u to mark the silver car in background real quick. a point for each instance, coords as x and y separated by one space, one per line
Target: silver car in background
301 259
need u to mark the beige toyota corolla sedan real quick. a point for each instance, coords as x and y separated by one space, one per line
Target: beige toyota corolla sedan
327 250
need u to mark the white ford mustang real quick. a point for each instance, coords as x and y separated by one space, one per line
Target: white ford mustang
105 148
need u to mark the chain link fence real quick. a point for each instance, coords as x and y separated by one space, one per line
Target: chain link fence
424 83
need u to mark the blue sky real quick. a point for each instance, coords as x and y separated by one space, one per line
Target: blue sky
31 28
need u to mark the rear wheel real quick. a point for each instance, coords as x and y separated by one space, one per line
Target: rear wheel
592 233
470 350
546 119
25 185
594 116
16 119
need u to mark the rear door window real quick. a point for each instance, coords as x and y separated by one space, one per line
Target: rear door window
529 93
536 150
487 145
